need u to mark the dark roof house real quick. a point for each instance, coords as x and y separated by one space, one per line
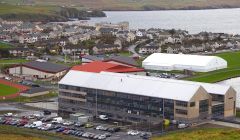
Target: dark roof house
122 59
45 66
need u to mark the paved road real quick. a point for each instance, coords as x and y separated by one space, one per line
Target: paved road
225 124
133 47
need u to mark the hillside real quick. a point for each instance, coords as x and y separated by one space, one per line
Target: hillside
44 13
135 4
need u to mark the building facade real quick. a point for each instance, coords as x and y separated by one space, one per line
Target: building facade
120 97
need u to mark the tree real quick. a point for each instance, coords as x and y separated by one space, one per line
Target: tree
172 31
4 53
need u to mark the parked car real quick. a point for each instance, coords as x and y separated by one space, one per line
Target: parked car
68 123
47 112
36 124
88 125
133 132
182 125
7 78
8 114
103 117
57 120
79 124
102 137
113 129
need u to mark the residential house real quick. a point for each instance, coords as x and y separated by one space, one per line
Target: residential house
106 48
77 38
75 50
173 49
90 58
149 49
20 52
131 37
122 60
106 31
28 38
26 27
9 28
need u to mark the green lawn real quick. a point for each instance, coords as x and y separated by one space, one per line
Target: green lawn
233 70
203 134
32 99
4 45
7 90
4 61
15 133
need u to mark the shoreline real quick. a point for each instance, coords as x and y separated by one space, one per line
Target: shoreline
168 9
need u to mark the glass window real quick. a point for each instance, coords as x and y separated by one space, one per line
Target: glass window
182 112
203 106
192 104
181 103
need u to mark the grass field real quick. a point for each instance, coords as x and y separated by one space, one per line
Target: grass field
14 133
8 9
135 4
32 99
7 90
203 134
15 61
233 70
4 45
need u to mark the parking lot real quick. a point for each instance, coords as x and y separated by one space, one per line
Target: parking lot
91 130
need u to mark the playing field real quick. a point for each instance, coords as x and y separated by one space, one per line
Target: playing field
7 90
233 70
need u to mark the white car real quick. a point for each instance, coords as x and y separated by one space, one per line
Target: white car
103 117
133 132
27 125
67 123
8 114
102 137
7 78
99 127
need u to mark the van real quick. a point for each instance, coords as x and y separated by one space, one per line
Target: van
36 124
57 120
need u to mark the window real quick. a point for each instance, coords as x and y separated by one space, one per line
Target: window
203 106
192 104
181 103
182 112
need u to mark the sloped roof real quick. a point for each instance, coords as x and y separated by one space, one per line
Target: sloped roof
122 59
91 57
98 66
46 66
130 84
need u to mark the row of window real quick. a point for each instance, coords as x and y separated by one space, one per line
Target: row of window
68 101
181 111
72 95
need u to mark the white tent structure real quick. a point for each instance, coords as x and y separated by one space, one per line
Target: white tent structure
197 63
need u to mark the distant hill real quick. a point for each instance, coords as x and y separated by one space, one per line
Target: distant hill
135 4
44 13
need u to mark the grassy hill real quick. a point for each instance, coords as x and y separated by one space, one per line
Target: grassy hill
202 134
134 4
43 12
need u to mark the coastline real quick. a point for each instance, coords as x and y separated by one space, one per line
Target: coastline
171 9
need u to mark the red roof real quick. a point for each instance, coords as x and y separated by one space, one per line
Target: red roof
98 66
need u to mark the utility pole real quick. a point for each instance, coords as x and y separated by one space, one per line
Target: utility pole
162 114
74 56
96 103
